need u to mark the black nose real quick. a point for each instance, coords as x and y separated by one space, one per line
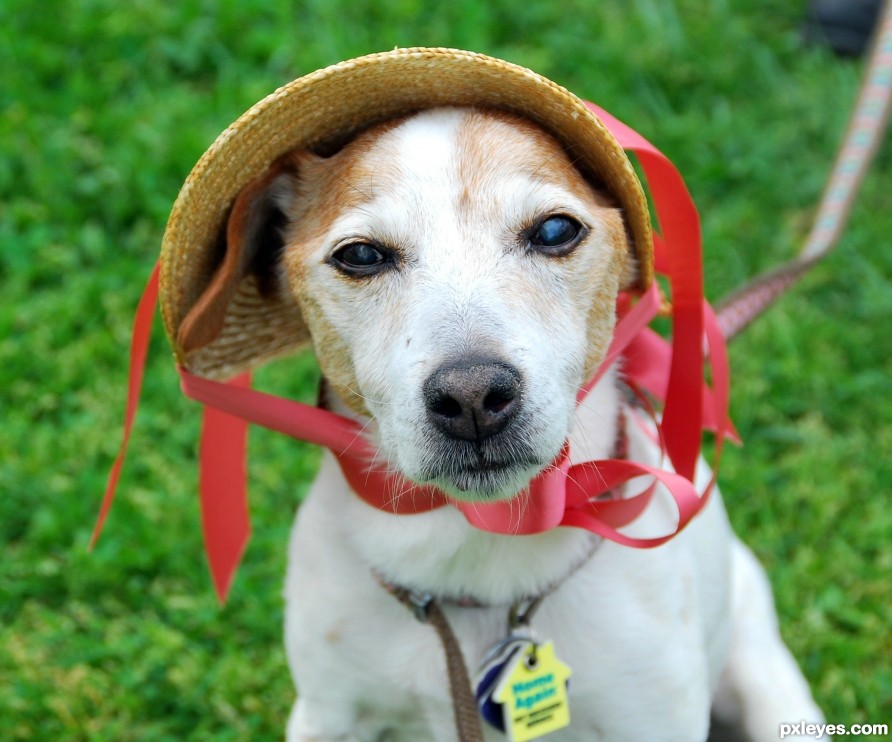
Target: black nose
472 400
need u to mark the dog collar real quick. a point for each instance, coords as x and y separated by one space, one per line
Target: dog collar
671 373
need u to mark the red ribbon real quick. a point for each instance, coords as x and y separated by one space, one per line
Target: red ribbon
139 348
562 495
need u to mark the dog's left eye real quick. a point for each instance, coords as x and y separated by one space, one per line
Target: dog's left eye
555 235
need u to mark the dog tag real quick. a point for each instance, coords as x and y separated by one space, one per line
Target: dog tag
532 691
491 671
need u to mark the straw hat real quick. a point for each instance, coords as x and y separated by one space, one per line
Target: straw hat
323 111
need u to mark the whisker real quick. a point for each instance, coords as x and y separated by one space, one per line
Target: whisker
365 398
358 435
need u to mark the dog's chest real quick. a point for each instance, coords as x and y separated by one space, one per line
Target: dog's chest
626 623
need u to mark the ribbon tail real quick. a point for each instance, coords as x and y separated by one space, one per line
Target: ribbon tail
680 226
139 348
224 505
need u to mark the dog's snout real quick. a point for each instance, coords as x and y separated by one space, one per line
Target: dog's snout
472 400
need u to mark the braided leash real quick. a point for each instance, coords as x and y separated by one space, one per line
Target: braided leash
464 704
468 724
866 126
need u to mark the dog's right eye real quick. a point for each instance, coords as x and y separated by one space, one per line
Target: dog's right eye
361 259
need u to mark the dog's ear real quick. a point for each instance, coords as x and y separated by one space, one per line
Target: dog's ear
253 246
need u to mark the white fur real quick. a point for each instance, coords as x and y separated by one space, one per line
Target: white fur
656 638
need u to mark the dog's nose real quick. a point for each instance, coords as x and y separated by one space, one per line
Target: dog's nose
472 399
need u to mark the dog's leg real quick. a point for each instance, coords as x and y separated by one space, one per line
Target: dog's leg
761 685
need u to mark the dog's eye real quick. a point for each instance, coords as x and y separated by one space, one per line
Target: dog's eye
361 259
555 235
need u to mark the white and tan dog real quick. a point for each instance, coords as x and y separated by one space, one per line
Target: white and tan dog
459 279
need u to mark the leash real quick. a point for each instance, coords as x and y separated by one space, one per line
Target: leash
859 146
468 724
427 610
464 705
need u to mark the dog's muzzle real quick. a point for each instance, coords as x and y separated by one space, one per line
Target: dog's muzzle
474 407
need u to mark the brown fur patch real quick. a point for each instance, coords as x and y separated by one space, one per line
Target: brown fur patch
493 140
326 189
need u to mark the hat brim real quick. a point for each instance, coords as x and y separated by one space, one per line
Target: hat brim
324 110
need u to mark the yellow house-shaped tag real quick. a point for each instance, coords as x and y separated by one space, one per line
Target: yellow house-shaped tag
533 693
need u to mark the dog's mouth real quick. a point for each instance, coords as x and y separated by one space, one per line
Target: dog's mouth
481 475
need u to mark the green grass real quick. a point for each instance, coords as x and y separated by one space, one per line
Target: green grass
104 108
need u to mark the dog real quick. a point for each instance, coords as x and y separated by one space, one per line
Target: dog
459 276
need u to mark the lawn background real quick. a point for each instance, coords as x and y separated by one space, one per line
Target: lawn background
104 108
